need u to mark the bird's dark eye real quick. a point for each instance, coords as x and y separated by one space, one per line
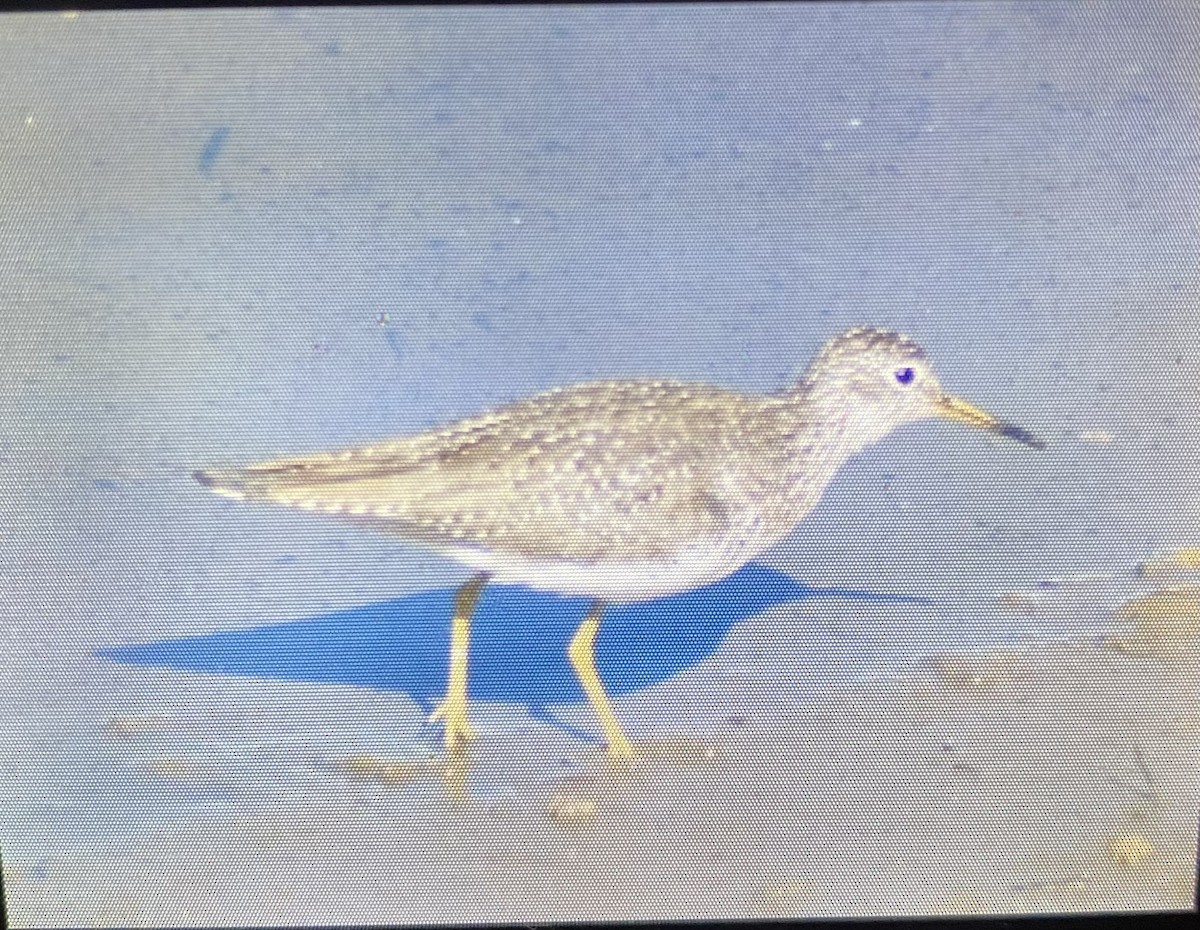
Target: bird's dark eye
905 375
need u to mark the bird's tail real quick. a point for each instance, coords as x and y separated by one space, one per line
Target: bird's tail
263 481
238 483
284 479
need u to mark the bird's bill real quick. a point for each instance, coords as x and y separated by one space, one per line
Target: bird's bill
954 408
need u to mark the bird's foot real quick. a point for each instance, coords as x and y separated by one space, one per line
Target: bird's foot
619 747
453 714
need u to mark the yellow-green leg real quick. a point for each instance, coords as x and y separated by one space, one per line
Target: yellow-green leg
452 710
582 653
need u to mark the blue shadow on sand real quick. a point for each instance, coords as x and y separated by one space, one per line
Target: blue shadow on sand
518 640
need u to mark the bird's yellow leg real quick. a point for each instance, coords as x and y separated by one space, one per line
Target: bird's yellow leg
452 710
582 653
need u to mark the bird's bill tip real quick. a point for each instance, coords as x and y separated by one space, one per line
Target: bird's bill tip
955 408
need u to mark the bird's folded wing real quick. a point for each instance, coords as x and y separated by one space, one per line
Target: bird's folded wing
599 480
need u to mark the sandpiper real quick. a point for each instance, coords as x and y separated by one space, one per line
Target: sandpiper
616 490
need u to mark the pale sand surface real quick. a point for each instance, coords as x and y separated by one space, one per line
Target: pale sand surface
1060 777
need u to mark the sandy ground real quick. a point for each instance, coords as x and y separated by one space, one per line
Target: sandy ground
1060 777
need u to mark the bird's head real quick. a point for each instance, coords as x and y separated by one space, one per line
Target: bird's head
885 380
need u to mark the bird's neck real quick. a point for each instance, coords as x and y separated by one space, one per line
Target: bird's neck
826 427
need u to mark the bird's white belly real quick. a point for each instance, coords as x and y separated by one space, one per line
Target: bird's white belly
614 580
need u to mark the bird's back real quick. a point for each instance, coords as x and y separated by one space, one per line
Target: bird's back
599 473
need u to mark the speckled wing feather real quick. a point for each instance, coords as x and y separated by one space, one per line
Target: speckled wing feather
611 469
